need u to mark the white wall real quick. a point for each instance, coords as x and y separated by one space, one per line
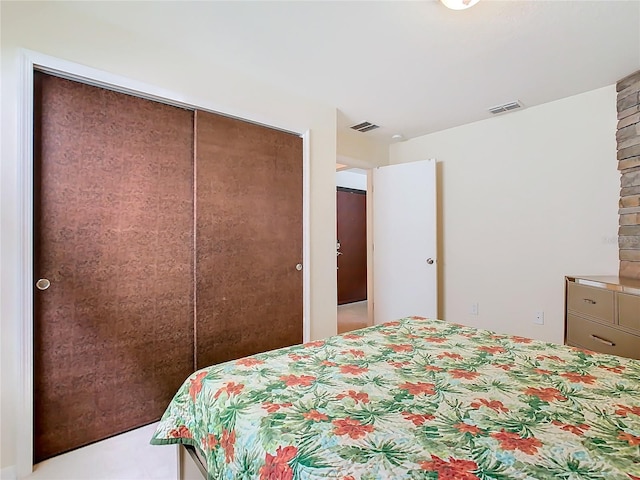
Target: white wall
525 198
52 29
361 150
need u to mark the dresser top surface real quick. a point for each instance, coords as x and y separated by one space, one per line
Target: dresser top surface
610 282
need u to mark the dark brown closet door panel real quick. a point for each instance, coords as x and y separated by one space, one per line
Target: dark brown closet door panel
113 334
248 239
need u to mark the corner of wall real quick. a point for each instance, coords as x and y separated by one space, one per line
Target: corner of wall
361 151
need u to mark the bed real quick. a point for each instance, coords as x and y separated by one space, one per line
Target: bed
412 399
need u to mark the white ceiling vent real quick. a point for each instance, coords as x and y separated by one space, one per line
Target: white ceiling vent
364 127
505 107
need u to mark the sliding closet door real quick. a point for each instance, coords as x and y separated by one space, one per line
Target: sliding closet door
248 239
113 332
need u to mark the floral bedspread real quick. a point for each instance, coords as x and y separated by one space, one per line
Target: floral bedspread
413 399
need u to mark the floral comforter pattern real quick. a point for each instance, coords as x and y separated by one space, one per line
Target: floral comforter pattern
413 399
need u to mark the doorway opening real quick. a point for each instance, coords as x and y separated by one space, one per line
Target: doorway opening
402 222
352 249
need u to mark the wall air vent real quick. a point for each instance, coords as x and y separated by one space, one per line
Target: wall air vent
364 127
505 107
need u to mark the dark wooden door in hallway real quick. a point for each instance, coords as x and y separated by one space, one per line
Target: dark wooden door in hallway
352 239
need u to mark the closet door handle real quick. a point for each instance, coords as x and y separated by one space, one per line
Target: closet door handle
589 301
43 284
602 340
299 266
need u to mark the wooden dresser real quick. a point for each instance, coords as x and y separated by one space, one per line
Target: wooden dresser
603 314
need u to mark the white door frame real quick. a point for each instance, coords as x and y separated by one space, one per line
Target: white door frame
73 71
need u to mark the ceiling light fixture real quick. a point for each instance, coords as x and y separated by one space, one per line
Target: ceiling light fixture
459 4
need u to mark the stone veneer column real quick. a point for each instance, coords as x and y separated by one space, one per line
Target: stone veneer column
628 137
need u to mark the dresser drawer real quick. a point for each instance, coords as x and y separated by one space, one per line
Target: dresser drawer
598 337
596 302
629 311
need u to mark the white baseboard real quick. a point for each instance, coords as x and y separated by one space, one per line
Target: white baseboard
8 473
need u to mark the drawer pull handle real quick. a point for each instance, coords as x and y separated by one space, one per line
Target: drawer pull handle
589 301
602 340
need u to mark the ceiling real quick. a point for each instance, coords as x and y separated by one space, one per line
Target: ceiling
410 67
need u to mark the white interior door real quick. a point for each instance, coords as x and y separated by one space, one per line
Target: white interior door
404 241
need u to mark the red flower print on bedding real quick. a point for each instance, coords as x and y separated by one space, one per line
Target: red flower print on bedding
555 358
249 362
353 369
196 385
428 329
545 394
274 407
574 377
317 343
583 350
296 357
180 432
231 388
575 429
315 416
228 442
492 350
466 374
504 367
400 348
454 356
358 397
351 427
495 405
623 411
453 469
617 370
466 428
432 368
210 442
276 467
435 339
351 336
295 380
513 441
398 364
419 388
354 352
627 437
517 339
416 418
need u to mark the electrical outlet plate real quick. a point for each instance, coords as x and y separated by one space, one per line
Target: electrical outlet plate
473 309
538 318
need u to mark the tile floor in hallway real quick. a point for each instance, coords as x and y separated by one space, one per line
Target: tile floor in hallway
352 316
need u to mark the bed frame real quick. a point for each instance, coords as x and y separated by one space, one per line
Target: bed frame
190 465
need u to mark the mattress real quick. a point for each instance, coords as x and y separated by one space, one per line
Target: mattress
416 398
